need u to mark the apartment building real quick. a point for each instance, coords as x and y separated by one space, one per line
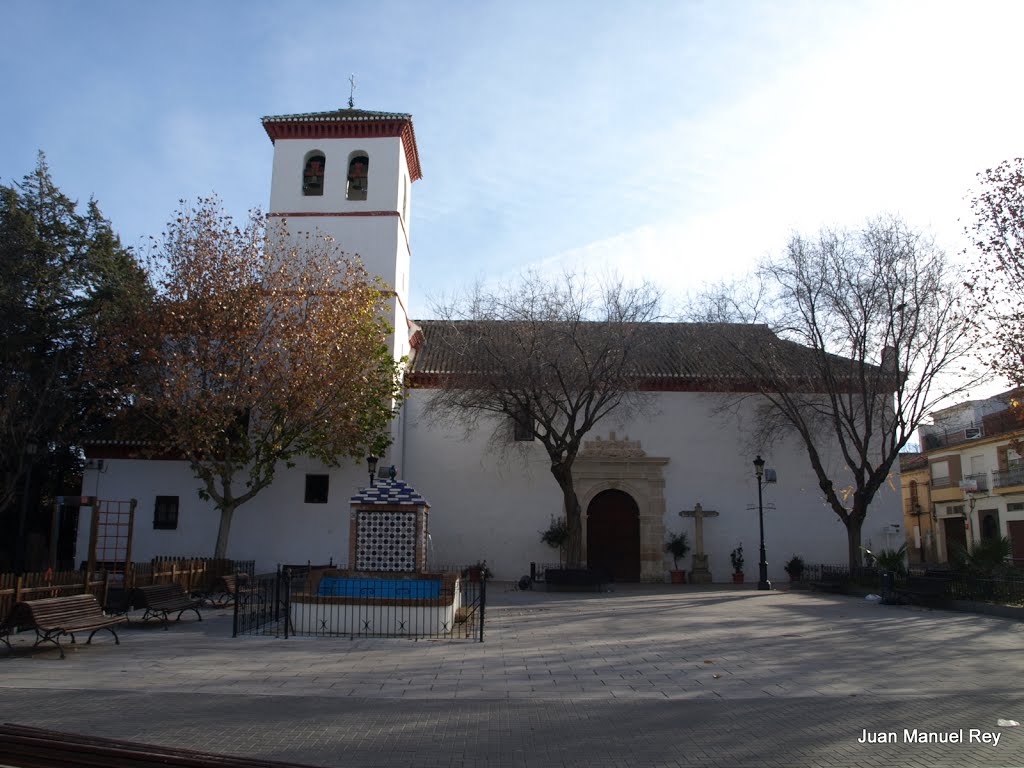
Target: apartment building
971 460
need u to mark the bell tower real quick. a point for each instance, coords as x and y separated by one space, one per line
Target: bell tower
348 173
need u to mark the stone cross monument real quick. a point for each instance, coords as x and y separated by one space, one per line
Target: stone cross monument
700 573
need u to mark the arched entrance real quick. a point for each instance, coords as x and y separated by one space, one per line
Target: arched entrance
613 535
609 463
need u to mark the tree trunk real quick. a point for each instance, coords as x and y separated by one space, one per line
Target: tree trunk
854 523
221 550
573 515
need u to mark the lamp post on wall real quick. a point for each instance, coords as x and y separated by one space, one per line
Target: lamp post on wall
762 582
371 464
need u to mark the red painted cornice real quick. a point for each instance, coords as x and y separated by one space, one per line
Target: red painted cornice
323 127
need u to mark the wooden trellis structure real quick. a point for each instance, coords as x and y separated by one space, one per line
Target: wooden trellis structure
110 535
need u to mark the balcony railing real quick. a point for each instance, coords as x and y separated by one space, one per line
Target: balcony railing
935 437
980 480
1008 477
914 508
942 482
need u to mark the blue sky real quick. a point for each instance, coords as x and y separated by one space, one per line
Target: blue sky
679 141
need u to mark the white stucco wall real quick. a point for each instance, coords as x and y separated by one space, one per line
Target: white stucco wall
380 241
485 505
387 168
275 527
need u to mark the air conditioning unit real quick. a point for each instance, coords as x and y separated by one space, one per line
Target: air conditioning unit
972 433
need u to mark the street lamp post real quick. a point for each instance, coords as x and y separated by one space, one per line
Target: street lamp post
371 464
762 582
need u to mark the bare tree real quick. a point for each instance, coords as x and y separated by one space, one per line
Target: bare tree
550 359
258 351
878 313
997 282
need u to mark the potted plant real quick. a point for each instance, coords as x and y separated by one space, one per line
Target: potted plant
795 568
892 560
677 545
736 556
477 571
556 537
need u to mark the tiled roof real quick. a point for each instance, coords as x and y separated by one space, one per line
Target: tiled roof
389 492
675 354
348 124
912 460
336 115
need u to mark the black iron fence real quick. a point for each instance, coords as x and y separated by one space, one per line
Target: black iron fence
334 601
1005 587
818 572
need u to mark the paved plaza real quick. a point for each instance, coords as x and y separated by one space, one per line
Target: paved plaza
641 676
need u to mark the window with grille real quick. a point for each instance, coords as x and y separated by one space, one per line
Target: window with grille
165 513
940 474
1013 459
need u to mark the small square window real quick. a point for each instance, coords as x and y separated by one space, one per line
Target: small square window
316 488
165 513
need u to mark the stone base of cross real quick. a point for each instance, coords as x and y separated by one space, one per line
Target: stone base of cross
700 574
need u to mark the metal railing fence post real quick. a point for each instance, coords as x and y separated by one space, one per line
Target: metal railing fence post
234 626
483 603
287 602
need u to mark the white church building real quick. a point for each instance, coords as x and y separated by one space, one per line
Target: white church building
349 173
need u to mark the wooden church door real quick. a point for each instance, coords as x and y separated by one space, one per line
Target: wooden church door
613 535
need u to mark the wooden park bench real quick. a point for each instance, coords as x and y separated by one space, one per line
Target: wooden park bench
5 631
27 747
54 617
231 588
161 600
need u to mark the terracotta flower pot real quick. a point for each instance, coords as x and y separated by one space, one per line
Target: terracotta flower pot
737 578
678 577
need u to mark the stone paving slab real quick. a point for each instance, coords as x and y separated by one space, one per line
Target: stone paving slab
642 676
351 731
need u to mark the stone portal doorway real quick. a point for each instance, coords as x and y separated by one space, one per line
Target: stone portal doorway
613 535
609 463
